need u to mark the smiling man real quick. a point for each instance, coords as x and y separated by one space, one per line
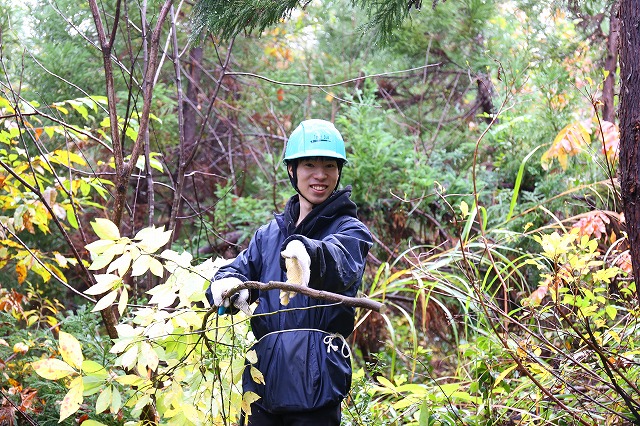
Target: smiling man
319 242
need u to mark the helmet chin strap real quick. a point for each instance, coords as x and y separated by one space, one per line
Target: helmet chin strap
294 179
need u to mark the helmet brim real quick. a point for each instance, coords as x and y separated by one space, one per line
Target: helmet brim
316 153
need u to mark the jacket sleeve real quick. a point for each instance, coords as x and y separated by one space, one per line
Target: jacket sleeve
338 260
246 266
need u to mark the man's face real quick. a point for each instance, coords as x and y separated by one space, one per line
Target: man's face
317 178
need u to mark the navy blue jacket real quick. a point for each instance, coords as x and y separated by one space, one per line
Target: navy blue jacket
301 369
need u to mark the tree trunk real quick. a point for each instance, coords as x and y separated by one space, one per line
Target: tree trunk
611 65
629 113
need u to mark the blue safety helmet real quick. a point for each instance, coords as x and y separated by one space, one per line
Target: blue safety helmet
315 138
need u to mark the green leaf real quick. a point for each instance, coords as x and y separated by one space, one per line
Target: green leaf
92 368
104 400
71 216
92 423
93 384
425 414
116 400
386 383
611 311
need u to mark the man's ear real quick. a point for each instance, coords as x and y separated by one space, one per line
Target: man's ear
290 170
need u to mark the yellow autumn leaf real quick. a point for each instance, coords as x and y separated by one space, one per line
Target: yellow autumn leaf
570 141
72 400
154 240
121 264
156 267
21 270
105 229
140 265
464 209
252 356
104 283
52 368
247 399
257 376
70 350
122 302
99 246
66 157
106 301
20 348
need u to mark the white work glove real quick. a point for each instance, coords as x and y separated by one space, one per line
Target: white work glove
240 299
298 265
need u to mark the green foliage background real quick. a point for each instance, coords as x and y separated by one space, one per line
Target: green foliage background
446 110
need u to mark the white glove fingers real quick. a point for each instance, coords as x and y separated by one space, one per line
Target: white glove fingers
297 263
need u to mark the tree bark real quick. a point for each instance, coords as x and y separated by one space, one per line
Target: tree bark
629 113
611 65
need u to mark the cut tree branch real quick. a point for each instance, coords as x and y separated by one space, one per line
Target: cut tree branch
356 302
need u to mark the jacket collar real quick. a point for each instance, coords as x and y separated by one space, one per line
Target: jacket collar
338 204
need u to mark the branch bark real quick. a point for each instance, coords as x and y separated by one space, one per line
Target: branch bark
356 302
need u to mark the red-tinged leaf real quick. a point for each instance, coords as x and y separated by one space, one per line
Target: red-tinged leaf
28 398
538 294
